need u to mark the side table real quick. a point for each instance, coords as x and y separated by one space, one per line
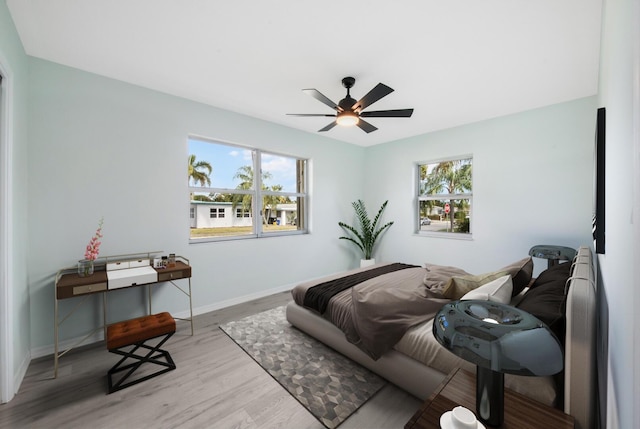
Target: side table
459 388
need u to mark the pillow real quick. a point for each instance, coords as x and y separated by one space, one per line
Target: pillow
521 272
460 285
556 272
437 276
498 290
547 300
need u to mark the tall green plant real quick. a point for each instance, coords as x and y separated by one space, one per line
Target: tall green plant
366 235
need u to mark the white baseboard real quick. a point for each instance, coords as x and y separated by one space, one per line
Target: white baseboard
48 350
21 372
98 336
240 300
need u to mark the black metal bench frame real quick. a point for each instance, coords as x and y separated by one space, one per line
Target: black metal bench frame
152 356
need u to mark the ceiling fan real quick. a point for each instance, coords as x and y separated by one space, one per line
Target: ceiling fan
350 112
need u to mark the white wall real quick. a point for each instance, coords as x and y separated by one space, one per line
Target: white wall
99 147
618 92
14 292
532 184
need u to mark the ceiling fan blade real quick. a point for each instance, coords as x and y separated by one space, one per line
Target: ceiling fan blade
328 127
397 113
365 126
379 91
311 114
322 98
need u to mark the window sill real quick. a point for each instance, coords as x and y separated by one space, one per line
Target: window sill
447 235
245 237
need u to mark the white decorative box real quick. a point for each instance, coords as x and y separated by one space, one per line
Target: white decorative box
131 277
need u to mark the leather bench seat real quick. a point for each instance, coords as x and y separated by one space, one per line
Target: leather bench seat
132 331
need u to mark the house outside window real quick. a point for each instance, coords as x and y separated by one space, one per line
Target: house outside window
221 176
445 197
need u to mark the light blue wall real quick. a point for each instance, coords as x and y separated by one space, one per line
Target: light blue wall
619 93
532 184
100 147
14 62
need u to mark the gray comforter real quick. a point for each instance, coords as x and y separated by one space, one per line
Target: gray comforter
376 313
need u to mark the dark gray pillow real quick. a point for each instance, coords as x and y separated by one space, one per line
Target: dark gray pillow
547 299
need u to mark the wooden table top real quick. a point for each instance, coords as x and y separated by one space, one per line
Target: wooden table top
459 388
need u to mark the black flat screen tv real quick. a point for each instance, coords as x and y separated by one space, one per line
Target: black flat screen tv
599 188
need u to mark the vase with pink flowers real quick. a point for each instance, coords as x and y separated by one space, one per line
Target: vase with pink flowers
85 266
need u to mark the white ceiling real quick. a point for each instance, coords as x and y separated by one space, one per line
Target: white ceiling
454 62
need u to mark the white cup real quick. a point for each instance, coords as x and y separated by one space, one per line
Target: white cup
463 418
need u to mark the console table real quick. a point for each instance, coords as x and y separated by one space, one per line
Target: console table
68 284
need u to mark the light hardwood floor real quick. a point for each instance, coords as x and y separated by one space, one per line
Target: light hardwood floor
216 385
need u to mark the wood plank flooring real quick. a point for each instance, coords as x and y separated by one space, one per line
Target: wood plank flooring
216 385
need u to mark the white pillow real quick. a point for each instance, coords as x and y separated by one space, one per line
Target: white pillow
498 290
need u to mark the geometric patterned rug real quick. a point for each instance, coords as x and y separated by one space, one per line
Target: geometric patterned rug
325 382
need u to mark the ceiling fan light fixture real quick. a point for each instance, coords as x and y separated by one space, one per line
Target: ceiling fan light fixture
349 111
347 119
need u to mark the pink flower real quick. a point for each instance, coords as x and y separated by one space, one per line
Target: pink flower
93 248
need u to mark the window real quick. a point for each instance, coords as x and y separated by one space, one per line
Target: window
242 213
221 176
445 196
216 213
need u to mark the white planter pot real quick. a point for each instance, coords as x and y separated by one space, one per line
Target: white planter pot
367 262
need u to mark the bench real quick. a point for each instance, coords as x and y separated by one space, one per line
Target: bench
130 339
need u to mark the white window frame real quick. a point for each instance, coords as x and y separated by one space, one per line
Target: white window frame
257 193
433 197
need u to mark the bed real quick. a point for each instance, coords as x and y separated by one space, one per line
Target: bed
395 341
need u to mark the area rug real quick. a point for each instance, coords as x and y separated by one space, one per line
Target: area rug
325 382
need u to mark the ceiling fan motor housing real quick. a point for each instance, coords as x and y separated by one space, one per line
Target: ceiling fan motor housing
346 103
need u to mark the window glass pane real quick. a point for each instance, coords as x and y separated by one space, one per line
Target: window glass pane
283 214
444 195
445 215
213 215
280 173
228 199
216 165
445 178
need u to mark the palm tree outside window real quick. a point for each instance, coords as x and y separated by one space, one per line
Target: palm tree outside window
222 176
445 196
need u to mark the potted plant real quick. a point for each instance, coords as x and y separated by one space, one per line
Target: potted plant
367 233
